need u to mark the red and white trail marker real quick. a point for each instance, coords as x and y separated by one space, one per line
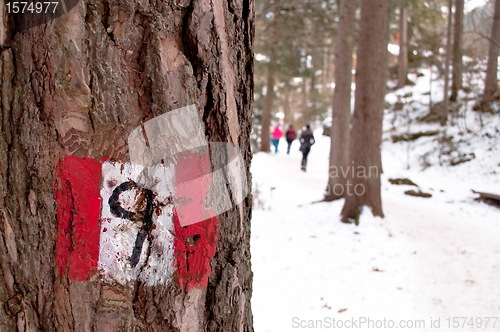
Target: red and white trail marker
153 218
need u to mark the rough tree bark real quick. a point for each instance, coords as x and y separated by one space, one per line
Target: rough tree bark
403 46
458 32
491 82
341 113
76 87
366 133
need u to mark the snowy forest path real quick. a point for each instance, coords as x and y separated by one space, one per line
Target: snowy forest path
427 259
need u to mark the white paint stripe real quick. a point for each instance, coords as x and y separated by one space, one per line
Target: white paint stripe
118 235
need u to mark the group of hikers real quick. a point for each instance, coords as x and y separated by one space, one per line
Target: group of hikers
306 141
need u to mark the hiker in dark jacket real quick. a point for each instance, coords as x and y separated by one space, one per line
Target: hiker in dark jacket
306 141
290 136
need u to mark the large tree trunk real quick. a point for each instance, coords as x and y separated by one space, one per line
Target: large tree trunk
491 82
73 93
366 132
341 113
458 32
403 46
266 115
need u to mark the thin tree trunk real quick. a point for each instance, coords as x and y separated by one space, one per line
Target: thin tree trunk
366 132
403 46
305 110
73 90
266 115
458 32
325 71
446 92
341 114
288 119
313 93
491 82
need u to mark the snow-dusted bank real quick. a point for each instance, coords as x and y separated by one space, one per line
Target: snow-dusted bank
432 264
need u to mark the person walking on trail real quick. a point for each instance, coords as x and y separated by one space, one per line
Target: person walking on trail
290 136
306 141
277 133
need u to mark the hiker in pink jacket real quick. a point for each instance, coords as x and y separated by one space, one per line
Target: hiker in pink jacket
277 133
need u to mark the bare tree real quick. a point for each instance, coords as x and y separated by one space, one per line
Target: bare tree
366 132
446 90
73 92
458 32
491 82
341 113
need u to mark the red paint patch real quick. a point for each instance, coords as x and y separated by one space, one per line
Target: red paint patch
78 209
195 239
195 245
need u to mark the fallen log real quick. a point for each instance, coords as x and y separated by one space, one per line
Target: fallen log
490 198
413 136
418 193
401 181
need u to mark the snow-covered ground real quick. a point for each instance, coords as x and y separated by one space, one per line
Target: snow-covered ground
431 264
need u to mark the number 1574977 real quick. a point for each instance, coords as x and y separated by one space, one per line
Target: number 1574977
32 7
